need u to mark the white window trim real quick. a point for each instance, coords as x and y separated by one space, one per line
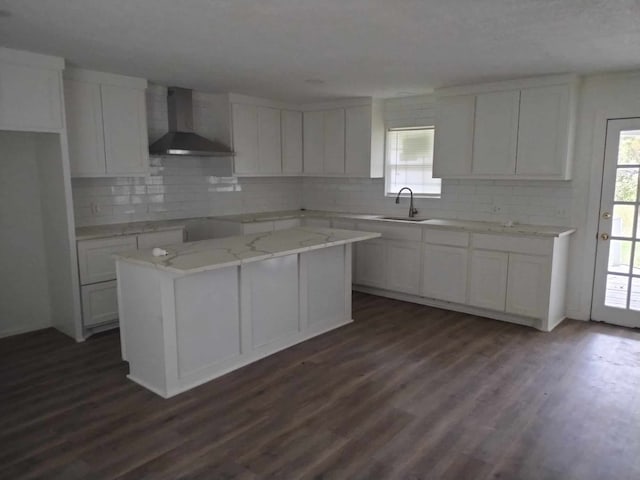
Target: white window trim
404 194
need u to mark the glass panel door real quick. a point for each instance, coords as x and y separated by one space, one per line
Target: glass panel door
616 295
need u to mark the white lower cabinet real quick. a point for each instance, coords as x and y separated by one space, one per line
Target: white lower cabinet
403 266
488 279
371 264
528 285
97 268
445 273
99 303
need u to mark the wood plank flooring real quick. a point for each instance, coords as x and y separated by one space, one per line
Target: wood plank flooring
405 392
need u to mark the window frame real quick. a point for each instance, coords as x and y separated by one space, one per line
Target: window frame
388 193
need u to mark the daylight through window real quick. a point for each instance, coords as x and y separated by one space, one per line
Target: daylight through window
409 161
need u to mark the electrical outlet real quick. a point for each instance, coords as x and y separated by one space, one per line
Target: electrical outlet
496 209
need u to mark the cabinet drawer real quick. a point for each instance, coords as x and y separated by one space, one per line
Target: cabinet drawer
159 239
95 257
395 232
509 243
445 237
99 303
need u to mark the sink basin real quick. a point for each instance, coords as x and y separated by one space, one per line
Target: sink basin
405 219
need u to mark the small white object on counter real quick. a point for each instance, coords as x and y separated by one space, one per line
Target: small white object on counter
159 252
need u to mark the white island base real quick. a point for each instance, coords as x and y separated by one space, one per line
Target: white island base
179 331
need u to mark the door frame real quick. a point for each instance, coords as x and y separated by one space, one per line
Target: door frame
587 256
603 163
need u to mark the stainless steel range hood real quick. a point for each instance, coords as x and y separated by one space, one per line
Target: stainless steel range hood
181 140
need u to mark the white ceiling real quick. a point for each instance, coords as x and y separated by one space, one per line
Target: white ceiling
357 47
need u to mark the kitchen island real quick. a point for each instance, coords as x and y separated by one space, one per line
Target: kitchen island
210 307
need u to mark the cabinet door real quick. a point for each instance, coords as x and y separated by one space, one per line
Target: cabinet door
403 267
453 140
543 132
313 142
496 133
84 128
334 141
529 284
126 141
291 141
358 141
95 259
159 239
269 141
245 138
445 273
99 303
488 279
371 263
30 98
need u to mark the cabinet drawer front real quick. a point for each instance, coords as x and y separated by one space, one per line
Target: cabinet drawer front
507 243
99 303
444 237
94 257
395 232
159 239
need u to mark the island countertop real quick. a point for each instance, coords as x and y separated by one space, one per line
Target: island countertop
194 257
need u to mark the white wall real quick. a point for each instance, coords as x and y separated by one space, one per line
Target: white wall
24 288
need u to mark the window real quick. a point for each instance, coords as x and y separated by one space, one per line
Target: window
409 162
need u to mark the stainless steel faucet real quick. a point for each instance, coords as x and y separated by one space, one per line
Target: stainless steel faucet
412 209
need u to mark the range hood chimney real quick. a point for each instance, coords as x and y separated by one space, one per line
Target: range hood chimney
181 140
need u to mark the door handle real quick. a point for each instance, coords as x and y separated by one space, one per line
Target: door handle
604 236
606 215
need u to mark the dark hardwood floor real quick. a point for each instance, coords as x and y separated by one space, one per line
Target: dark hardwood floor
405 392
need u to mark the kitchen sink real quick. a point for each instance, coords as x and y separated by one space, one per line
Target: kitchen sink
405 219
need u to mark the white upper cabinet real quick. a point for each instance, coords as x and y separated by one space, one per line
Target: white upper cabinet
126 142
453 144
30 91
364 142
522 129
324 142
267 139
496 134
544 140
84 124
344 141
106 124
334 141
313 135
291 142
245 138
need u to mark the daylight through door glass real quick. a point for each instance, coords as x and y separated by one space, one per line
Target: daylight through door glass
623 280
